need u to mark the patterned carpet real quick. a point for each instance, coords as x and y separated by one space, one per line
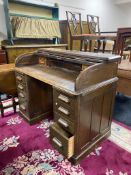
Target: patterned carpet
25 150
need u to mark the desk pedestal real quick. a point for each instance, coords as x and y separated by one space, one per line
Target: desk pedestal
35 98
81 122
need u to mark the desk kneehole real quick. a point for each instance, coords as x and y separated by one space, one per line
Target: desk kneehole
61 140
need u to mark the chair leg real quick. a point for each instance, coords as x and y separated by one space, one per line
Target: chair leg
85 45
90 45
14 104
1 108
114 47
99 45
130 56
81 44
71 44
2 111
104 46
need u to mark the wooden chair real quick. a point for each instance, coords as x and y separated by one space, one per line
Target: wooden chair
122 35
94 27
124 75
76 32
75 28
124 67
129 49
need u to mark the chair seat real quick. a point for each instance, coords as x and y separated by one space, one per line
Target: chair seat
7 79
124 69
95 36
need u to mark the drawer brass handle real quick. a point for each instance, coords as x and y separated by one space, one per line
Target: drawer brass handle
63 110
19 78
64 98
21 95
20 87
63 122
57 142
22 107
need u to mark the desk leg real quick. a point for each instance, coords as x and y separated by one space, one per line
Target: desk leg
130 57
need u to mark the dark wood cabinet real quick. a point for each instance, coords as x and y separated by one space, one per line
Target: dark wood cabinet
79 88
3 59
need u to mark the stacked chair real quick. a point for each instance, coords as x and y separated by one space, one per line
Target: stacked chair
76 32
102 44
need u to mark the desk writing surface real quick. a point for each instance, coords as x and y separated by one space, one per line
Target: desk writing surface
58 77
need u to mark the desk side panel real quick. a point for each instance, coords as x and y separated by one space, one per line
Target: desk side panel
94 119
96 74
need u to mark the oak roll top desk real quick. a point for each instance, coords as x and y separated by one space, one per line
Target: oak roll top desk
77 87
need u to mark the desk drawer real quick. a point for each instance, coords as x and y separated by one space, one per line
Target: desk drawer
61 140
64 111
22 90
64 98
20 78
20 87
23 106
64 123
22 97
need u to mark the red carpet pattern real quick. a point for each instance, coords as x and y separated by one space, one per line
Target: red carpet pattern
26 150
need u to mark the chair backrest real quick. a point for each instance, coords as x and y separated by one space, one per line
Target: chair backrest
93 24
74 23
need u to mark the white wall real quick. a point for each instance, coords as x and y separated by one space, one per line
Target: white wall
122 1
111 15
127 8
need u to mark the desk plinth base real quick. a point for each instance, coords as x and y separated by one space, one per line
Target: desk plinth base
36 119
77 158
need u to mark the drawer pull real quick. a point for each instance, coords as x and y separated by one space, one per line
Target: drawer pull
23 107
20 87
63 122
57 142
21 95
63 110
19 78
64 98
